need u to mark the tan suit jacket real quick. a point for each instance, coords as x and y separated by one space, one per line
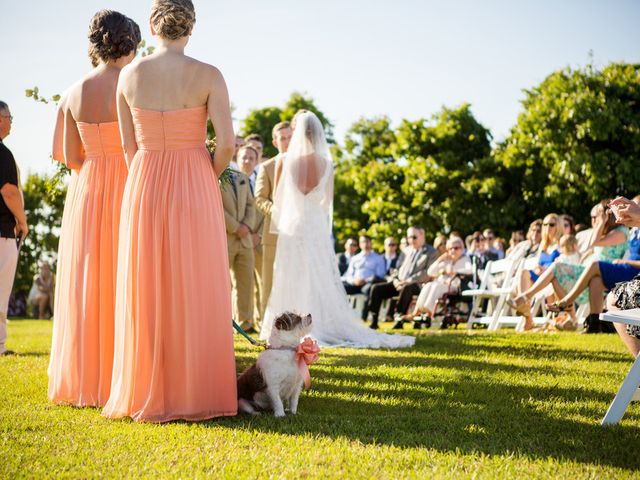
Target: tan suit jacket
264 198
238 208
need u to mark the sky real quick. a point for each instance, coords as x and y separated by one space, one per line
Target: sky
405 59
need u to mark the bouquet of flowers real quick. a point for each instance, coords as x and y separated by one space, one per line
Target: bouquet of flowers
225 176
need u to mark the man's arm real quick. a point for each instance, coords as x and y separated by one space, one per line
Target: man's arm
250 211
12 197
11 193
263 192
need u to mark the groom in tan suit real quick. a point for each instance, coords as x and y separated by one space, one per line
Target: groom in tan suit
265 190
239 217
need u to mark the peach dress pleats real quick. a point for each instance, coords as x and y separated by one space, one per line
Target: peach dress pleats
174 355
82 346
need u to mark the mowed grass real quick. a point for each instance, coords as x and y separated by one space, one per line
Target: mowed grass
458 405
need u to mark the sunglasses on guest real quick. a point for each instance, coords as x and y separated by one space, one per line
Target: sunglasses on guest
548 224
412 237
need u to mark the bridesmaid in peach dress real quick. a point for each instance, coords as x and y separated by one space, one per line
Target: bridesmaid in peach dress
173 354
87 140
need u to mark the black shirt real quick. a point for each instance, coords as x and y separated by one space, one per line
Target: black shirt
8 174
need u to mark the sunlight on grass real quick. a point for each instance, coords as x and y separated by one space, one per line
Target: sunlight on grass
459 405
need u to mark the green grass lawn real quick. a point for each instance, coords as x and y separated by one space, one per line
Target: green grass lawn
458 405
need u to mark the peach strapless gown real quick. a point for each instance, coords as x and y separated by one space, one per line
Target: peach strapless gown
82 347
174 355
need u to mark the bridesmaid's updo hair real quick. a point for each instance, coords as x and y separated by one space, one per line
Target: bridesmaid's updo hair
173 19
112 35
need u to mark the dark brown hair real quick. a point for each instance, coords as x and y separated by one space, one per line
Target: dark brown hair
112 35
173 19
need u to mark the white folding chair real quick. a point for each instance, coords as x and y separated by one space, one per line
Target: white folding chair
356 301
496 286
629 387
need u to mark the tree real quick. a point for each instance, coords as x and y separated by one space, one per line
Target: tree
437 173
262 120
449 171
576 142
297 101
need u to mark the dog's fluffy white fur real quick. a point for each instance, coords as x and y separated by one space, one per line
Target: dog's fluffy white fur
275 378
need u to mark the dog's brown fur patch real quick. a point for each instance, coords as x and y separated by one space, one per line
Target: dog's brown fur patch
251 382
287 321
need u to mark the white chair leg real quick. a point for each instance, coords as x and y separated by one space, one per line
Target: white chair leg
624 395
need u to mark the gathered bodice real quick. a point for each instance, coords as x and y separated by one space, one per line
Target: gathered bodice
181 129
100 139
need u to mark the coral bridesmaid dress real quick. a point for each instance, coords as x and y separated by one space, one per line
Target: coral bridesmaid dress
82 347
173 355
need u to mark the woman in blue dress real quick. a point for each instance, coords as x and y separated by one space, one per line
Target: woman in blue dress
548 252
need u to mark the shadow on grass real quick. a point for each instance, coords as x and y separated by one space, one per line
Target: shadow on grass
469 411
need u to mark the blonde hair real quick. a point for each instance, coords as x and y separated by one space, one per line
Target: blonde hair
173 19
548 240
568 244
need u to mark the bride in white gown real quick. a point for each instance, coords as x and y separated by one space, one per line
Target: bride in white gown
305 276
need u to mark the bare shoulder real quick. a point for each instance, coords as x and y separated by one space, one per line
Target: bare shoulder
207 71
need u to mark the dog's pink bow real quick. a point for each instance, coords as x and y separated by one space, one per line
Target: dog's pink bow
306 354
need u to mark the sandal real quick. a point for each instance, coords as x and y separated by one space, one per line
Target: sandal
560 306
521 305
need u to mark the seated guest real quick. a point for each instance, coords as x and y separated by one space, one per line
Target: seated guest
516 238
440 244
350 249
405 283
608 243
626 296
42 290
568 224
404 246
365 269
443 272
478 250
392 258
601 276
490 237
569 249
548 252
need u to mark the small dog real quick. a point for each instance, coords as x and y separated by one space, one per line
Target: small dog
275 377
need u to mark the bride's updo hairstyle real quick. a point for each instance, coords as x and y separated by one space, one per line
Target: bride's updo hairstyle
112 35
173 19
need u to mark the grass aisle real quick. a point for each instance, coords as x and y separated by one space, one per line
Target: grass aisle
456 406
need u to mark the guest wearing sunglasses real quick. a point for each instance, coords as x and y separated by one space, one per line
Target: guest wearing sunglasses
547 254
444 272
608 243
392 258
478 250
405 283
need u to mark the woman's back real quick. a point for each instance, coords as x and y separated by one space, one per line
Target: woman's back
168 81
93 99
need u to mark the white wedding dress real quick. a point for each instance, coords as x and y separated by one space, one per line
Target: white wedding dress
306 277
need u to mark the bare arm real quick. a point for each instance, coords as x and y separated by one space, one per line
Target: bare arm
220 114
57 149
73 150
13 198
125 121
